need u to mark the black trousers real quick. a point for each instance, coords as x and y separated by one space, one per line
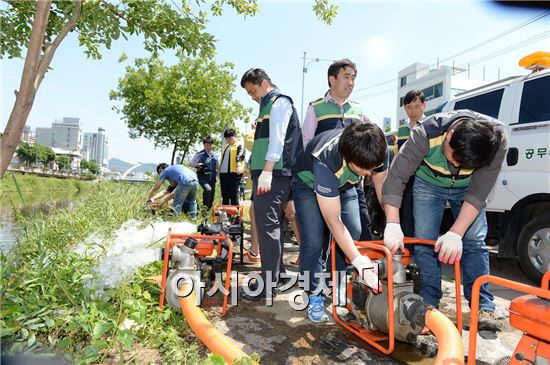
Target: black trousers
269 220
208 195
406 211
366 233
229 184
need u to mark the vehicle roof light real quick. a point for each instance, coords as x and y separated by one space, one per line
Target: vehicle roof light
536 61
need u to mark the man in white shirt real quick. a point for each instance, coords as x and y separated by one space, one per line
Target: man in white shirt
277 140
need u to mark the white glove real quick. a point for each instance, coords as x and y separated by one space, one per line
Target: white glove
449 247
264 182
393 237
368 272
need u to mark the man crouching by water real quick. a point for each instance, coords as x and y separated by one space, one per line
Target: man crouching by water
183 189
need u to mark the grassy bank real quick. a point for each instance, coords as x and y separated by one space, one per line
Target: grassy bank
48 309
14 182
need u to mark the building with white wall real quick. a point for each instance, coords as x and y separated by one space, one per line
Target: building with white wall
67 134
27 135
438 85
95 146
43 136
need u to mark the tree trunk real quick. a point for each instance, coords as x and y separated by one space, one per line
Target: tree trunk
24 99
174 153
186 149
36 66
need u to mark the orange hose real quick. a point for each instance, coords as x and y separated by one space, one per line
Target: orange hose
449 343
206 332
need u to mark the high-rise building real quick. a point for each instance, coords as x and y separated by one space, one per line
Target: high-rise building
95 147
438 85
102 148
44 136
88 146
27 135
67 134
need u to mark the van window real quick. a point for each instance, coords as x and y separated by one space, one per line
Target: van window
488 104
534 101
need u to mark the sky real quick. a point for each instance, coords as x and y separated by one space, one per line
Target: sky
381 37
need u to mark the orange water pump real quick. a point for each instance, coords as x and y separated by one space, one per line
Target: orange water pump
528 313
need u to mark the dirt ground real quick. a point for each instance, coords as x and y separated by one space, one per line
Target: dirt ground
282 335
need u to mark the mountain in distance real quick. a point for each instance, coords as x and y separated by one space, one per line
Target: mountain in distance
118 165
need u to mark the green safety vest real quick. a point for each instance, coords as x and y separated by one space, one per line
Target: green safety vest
403 134
292 144
325 148
435 168
329 115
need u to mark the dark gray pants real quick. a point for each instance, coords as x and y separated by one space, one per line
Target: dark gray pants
269 216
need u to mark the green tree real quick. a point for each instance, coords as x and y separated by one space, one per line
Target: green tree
93 167
62 161
44 154
41 26
26 152
84 165
176 105
31 153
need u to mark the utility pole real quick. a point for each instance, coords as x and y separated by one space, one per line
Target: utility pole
304 72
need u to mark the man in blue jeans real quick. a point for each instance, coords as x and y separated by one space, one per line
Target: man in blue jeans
183 188
456 157
325 175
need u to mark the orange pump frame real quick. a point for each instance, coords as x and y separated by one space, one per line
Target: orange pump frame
375 250
204 248
528 343
231 211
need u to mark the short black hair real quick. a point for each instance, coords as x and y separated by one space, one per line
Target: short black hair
337 65
161 167
364 145
229 132
208 139
475 142
412 96
255 76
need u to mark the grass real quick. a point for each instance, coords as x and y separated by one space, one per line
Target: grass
16 182
48 309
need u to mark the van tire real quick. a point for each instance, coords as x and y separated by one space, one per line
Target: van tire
534 247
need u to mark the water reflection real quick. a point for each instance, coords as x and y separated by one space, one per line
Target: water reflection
26 204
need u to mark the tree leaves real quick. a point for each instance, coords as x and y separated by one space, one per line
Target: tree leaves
31 153
324 11
163 25
180 104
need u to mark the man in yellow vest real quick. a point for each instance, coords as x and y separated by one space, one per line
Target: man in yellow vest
231 168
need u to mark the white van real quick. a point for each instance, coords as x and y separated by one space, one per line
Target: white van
518 207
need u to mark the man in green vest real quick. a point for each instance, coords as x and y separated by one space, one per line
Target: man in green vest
325 175
456 157
336 110
277 141
414 105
